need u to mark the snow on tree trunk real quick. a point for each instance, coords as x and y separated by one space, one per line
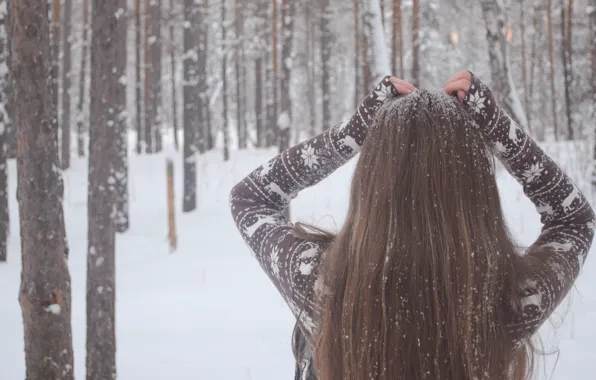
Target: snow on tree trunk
191 100
4 214
326 41
82 78
377 53
284 123
121 216
103 138
502 80
45 293
66 74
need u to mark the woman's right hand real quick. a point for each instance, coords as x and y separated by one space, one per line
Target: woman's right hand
473 94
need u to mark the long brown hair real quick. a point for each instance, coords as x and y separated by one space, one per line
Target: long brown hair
419 280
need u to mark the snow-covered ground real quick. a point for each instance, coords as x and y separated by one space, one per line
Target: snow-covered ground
206 311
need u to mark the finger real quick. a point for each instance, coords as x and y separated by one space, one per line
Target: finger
463 74
404 83
461 95
461 84
402 89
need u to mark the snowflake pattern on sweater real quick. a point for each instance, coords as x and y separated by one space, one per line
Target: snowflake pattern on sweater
258 201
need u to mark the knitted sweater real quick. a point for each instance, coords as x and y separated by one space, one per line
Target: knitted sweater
257 203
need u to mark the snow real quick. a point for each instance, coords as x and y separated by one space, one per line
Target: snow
54 309
207 311
379 56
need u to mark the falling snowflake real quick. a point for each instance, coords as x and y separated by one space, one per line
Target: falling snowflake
533 172
275 261
477 101
309 156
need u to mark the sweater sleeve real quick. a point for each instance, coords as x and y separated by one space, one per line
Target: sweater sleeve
257 203
556 257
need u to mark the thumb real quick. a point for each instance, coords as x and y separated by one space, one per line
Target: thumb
461 95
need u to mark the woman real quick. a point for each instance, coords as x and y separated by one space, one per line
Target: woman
423 281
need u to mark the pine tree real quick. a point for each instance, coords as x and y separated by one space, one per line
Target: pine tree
326 41
204 136
4 214
416 43
120 179
551 67
66 74
498 50
153 100
285 119
173 70
224 76
240 98
397 40
141 142
82 77
191 100
45 293
103 138
55 72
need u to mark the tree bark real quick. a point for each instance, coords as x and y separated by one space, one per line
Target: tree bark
103 138
416 43
55 73
66 74
121 216
522 33
551 67
204 136
153 110
192 107
224 67
567 69
397 42
4 214
239 26
82 78
376 50
284 123
259 116
591 10
141 142
173 75
326 41
312 57
45 293
357 84
502 83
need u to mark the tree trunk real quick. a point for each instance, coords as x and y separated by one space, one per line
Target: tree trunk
357 83
535 36
10 123
239 21
55 73
82 78
502 83
397 42
522 33
191 98
285 118
101 287
120 172
376 53
4 214
45 293
155 111
591 10
66 74
566 59
204 136
173 75
312 57
141 142
551 67
416 43
224 67
273 131
259 117
326 36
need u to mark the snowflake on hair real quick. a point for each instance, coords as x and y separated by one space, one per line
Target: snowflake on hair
309 156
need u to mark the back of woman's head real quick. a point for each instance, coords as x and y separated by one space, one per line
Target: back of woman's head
418 279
